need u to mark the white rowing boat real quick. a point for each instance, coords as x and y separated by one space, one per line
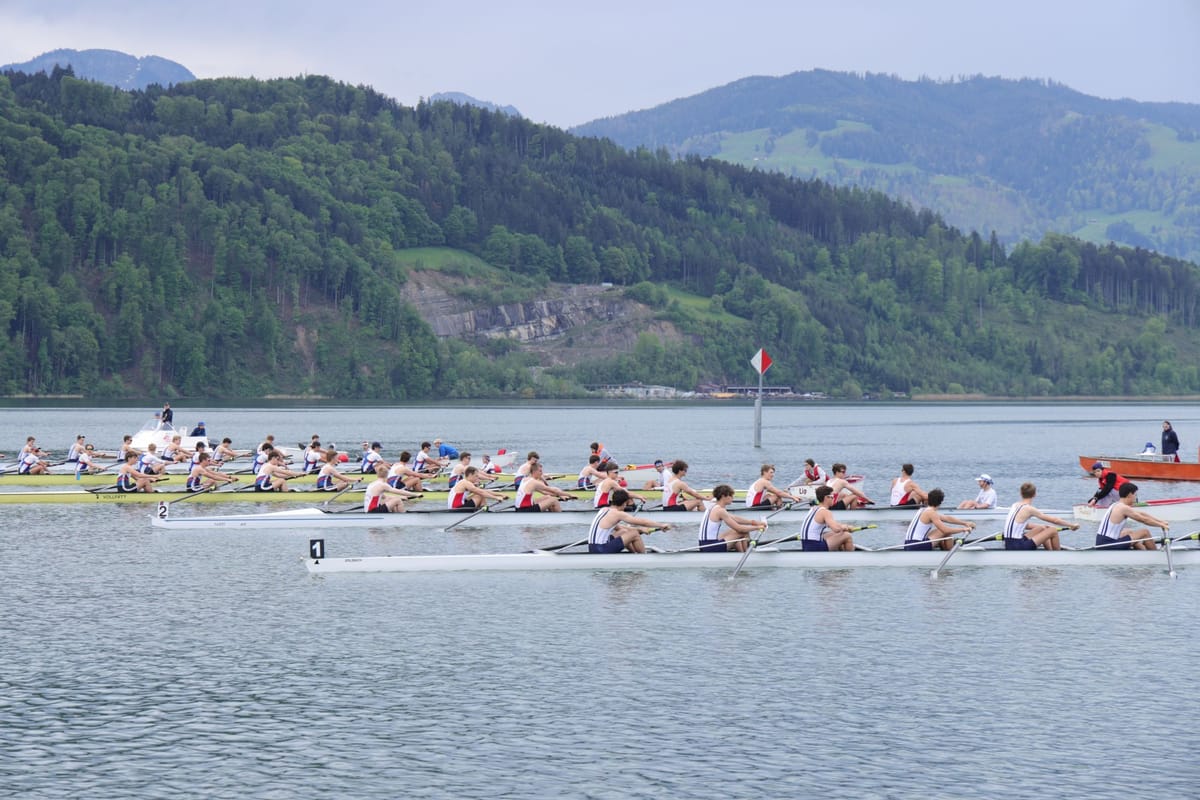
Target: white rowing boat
763 558
1180 509
582 517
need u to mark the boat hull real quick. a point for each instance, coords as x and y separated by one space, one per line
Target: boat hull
761 559
1151 467
1182 509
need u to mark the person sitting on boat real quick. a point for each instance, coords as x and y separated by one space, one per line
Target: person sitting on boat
462 495
32 463
314 456
987 494
1110 486
85 464
260 457
127 448
722 531
379 498
813 473
1170 442
664 476
131 479
523 470
402 476
199 430
905 491
1019 534
225 451
591 474
930 518
600 450
676 494
763 494
203 477
1112 533
445 453
372 459
150 462
74 451
328 477
532 486
427 462
614 529
459 469
607 487
273 476
846 496
175 452
489 467
820 531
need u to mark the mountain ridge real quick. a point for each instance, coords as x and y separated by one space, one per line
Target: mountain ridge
111 67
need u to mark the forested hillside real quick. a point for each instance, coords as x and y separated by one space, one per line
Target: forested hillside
1018 157
240 237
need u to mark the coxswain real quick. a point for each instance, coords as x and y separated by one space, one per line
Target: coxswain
1019 534
328 477
131 479
813 473
930 519
846 496
202 477
614 529
592 473
1110 486
379 498
905 491
532 486
1112 532
676 494
722 531
445 452
987 494
464 491
820 531
763 494
606 488
273 476
199 430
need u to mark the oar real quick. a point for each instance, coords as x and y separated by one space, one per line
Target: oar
473 514
962 543
186 497
341 492
907 544
698 547
749 550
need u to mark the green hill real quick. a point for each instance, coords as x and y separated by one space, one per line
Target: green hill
240 238
1021 158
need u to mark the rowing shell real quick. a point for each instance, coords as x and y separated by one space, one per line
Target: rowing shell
26 498
422 517
971 556
1179 509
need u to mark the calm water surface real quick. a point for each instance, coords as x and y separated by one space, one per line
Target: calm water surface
147 664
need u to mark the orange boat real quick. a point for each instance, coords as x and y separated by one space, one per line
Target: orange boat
1151 466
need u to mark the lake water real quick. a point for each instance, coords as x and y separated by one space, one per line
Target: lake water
145 664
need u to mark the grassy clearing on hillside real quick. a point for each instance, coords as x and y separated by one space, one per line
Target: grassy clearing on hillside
1167 152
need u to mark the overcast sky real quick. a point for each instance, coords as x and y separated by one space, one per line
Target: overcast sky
567 63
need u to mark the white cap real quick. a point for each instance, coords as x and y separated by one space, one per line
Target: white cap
983 476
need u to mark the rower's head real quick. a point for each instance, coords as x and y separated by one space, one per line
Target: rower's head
426 445
201 458
127 439
1028 491
200 446
331 455
722 491
535 471
658 464
376 445
823 493
593 460
405 456
80 438
766 470
469 473
1128 490
533 456
130 457
227 440
935 498
679 467
486 458
30 439
89 447
838 469
611 468
984 480
150 448
465 458
907 469
381 470
619 498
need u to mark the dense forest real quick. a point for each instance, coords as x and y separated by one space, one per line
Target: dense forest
1020 157
240 238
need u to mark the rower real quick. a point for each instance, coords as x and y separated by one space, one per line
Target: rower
372 459
149 462
532 486
763 494
721 531
847 496
85 464
196 480
225 451
313 457
402 476
592 473
677 495
987 494
329 477
1112 532
488 467
1020 535
127 447
273 476
929 519
523 470
31 462
607 487
260 458
131 479
427 462
820 531
905 491
459 469
1110 486
175 451
464 491
615 530
374 500
663 476
76 449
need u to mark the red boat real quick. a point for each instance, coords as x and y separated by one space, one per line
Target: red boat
1152 466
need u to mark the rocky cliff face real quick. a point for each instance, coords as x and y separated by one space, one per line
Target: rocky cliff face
567 323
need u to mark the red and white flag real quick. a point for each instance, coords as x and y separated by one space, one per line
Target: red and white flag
761 361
